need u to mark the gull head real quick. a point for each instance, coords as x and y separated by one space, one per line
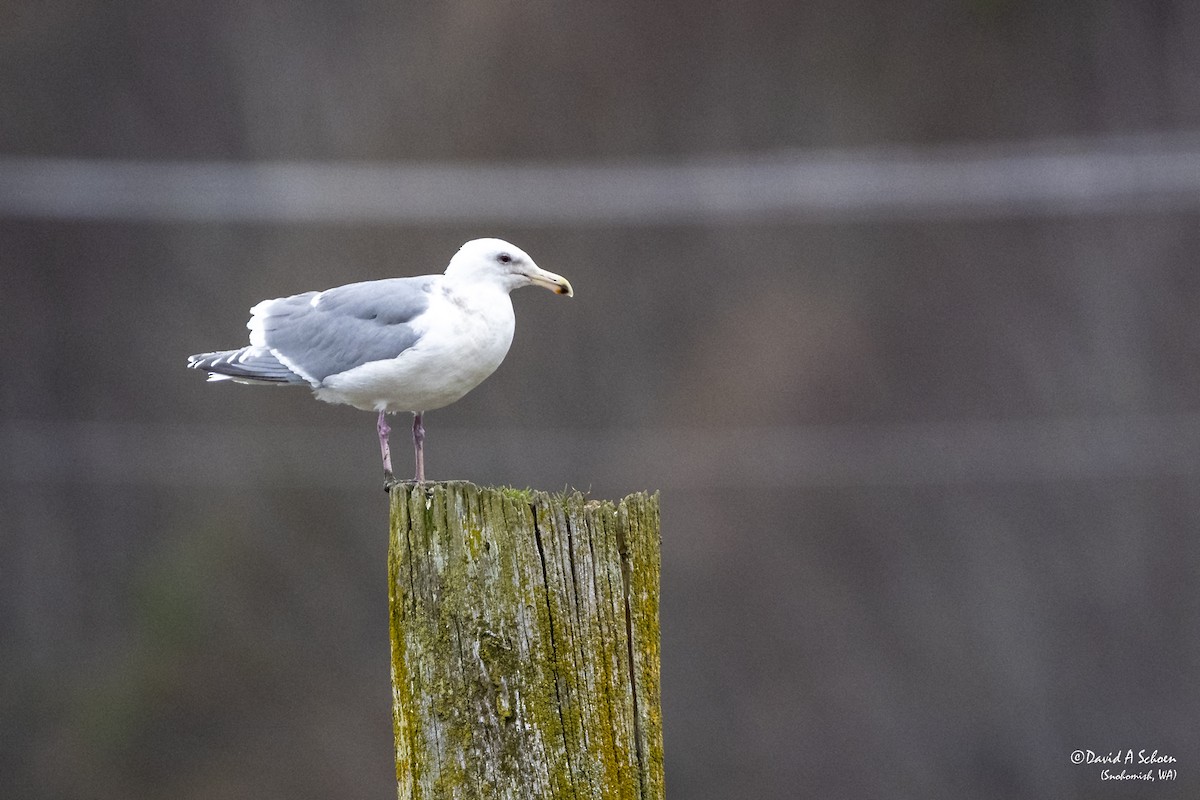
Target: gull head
497 261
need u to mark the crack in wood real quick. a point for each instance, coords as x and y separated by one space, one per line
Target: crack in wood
626 577
537 536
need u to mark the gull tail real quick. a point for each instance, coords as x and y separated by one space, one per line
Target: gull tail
248 365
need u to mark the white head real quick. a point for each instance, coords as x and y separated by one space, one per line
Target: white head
495 260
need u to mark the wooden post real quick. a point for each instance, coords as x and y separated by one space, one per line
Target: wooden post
525 644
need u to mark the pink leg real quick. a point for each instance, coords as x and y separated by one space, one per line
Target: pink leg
384 430
419 446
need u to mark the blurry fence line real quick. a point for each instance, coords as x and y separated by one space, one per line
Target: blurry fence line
783 457
1145 173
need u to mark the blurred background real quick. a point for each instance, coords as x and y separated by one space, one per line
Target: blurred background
894 302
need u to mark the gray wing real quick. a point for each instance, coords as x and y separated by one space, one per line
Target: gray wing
247 365
318 334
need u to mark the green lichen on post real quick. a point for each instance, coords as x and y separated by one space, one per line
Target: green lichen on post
525 660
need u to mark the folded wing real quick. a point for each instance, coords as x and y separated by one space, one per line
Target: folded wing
307 337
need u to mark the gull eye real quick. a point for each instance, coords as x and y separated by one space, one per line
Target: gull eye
504 258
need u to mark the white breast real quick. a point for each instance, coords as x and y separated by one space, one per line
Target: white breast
465 334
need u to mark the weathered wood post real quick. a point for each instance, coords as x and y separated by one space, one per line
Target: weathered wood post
525 644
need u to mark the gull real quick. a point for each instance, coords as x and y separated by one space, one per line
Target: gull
395 345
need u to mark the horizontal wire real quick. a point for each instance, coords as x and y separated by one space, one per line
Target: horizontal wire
1144 173
784 457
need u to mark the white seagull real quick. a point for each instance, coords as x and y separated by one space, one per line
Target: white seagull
400 344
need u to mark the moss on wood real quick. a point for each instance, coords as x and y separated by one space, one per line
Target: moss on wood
525 644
